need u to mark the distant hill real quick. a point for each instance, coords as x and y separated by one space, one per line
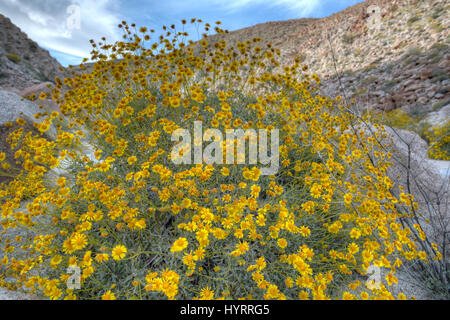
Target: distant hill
22 62
404 64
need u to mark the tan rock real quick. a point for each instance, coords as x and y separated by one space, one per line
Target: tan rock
422 100
36 89
426 73
397 44
47 104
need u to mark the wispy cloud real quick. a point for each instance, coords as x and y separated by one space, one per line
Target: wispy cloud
45 21
302 7
298 7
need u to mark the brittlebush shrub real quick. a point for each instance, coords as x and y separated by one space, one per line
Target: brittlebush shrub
398 119
439 141
437 137
139 227
13 57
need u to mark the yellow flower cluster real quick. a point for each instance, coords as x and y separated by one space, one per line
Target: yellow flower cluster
202 231
166 283
439 138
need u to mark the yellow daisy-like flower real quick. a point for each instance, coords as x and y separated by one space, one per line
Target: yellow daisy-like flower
179 245
225 171
56 260
119 252
108 296
305 231
355 233
364 295
101 257
348 198
282 243
348 296
132 160
78 241
206 294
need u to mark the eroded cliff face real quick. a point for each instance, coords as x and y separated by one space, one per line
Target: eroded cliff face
403 63
22 62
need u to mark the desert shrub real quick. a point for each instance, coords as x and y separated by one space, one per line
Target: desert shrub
411 55
439 75
398 118
412 20
437 27
436 13
370 67
42 75
439 47
369 80
438 138
349 37
359 92
438 105
33 46
139 226
389 85
13 57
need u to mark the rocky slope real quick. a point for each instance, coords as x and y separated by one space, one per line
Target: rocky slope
22 62
403 64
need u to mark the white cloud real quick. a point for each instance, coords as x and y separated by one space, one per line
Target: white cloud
300 7
45 21
304 7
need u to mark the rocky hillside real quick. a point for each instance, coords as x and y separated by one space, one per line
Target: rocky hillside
403 64
22 62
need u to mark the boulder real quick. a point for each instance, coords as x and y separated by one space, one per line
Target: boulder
398 98
428 182
388 104
426 73
12 107
422 100
36 89
440 117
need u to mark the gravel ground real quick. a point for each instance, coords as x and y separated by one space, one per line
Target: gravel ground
14 295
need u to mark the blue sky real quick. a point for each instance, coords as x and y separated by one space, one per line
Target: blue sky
64 27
